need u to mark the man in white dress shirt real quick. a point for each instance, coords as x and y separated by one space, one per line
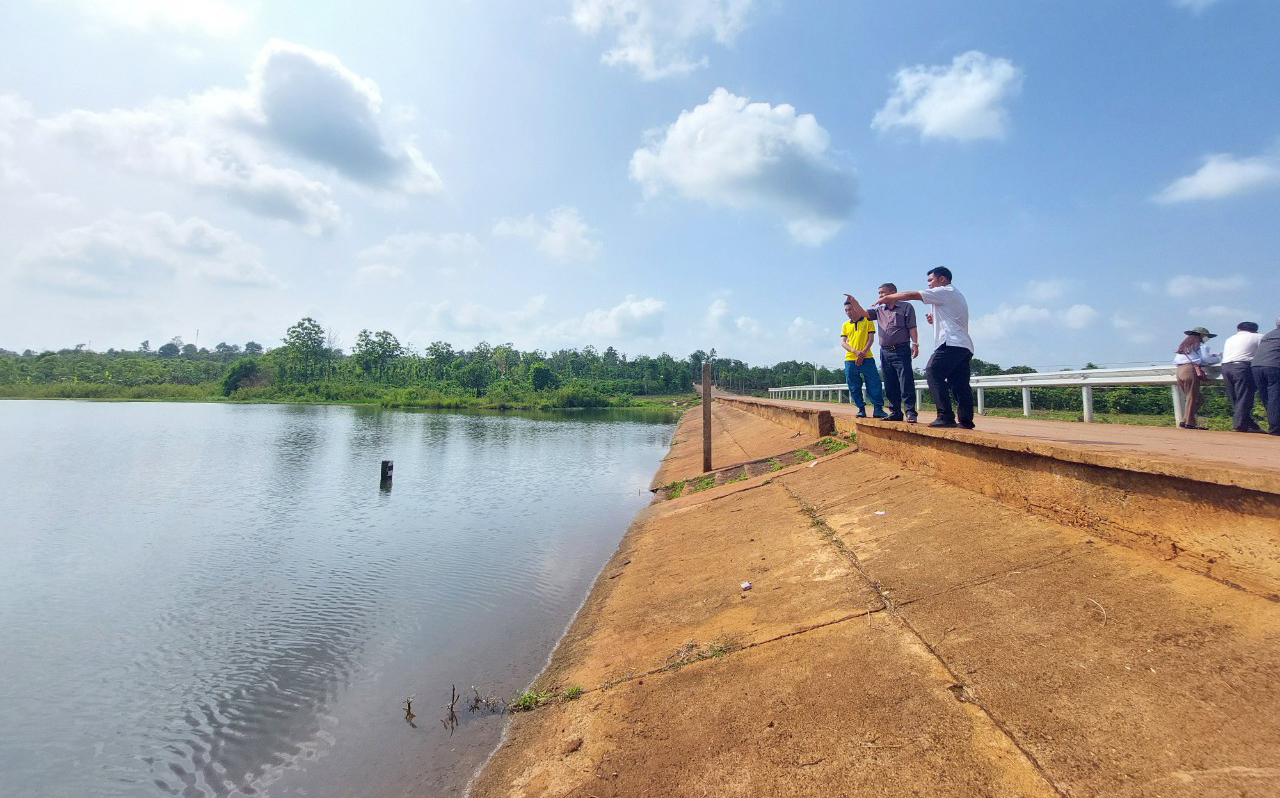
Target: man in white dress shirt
1237 373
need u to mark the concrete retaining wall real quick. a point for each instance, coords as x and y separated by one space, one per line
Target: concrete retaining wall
1227 528
814 423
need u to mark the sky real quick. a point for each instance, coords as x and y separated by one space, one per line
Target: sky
652 175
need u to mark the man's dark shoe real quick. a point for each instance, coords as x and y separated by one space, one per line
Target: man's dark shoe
893 417
880 414
942 422
860 414
911 418
965 424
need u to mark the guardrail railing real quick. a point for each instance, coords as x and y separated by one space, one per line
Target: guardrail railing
1085 379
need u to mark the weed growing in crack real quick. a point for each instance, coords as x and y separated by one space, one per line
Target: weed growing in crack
804 455
775 464
833 445
703 484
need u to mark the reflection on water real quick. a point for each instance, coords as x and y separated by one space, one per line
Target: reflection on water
218 600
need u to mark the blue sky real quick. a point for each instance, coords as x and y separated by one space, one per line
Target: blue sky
653 175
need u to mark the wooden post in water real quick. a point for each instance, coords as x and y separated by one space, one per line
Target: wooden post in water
388 467
706 417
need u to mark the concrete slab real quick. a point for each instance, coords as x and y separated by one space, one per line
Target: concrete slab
1119 677
841 711
677 581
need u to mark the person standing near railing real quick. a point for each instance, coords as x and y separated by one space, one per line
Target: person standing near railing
896 322
1266 375
1191 356
856 336
1237 375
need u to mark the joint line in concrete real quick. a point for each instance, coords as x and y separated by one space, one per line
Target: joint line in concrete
971 695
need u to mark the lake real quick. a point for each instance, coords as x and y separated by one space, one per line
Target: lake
204 599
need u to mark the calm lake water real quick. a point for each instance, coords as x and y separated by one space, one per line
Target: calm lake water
202 599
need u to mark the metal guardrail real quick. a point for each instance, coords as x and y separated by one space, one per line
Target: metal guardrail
1086 380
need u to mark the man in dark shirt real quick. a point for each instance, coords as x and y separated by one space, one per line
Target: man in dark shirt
1266 376
896 322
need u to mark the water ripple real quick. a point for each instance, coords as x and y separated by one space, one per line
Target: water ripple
228 605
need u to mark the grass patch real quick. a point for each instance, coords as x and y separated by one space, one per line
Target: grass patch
774 464
674 489
739 478
691 651
832 445
573 692
529 699
804 455
704 483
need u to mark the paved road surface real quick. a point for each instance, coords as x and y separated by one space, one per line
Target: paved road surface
1240 449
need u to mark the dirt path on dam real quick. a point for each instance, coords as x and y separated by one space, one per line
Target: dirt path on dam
899 636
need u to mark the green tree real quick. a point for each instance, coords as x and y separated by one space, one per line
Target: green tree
244 370
306 351
543 378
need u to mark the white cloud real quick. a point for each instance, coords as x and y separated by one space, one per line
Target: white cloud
1019 320
379 274
209 17
739 154
1008 319
803 331
131 255
962 101
631 318
654 36
169 143
1224 313
1194 5
1223 176
747 326
306 102
449 320
1077 317
562 235
1184 285
299 102
717 312
719 320
15 116
1046 290
390 259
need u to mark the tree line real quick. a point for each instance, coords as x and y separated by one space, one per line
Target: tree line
310 365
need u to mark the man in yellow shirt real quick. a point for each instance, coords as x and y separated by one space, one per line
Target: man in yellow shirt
856 336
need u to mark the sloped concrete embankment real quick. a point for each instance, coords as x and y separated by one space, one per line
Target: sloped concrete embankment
901 636
1213 519
1217 519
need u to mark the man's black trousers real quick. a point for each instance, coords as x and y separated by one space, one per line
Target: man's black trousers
1240 392
899 382
948 375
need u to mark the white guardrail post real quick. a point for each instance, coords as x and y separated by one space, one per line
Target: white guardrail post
1086 398
1026 401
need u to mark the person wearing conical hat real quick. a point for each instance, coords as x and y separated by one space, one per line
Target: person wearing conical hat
1191 357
